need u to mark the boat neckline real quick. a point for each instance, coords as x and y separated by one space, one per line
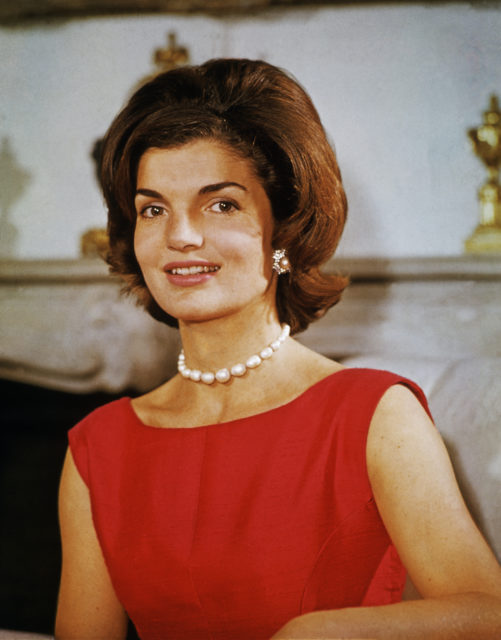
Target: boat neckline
250 417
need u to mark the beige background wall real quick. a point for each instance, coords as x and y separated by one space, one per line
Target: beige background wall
396 86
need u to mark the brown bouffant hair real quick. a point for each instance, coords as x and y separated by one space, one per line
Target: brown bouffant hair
264 116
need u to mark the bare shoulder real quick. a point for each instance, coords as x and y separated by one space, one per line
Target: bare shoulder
73 493
398 412
87 606
398 399
401 437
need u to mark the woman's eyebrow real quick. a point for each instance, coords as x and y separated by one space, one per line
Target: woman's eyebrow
149 193
220 185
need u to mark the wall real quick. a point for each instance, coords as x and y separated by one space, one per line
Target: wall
396 86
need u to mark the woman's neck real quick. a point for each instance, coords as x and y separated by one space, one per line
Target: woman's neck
224 342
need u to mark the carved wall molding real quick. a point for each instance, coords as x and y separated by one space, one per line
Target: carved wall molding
29 10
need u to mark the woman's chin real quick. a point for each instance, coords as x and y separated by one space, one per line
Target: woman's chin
198 316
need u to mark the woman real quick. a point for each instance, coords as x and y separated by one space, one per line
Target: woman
265 491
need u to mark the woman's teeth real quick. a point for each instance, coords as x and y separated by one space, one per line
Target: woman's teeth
188 271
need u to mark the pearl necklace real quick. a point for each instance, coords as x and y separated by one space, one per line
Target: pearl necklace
223 375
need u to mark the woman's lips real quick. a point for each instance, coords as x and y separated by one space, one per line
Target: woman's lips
189 271
187 274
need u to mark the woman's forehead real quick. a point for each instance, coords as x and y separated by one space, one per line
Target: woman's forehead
193 161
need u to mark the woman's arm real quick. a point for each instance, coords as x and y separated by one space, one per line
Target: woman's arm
88 608
446 557
462 616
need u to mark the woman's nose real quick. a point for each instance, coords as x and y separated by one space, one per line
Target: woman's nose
183 232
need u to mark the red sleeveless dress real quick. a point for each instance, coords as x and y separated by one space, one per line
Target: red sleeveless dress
230 530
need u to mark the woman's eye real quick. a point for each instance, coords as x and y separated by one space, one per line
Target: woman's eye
223 206
152 211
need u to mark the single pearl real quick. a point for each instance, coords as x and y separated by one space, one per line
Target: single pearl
223 375
253 362
266 353
185 372
208 377
195 375
238 369
275 345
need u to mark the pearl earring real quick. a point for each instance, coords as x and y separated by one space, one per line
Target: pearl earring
281 262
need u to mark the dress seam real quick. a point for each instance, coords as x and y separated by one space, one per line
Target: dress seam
324 545
195 526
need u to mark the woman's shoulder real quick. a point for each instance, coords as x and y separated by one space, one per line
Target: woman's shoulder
316 368
363 376
361 389
360 378
99 431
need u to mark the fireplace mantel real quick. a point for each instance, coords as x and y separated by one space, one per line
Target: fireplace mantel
414 307
64 324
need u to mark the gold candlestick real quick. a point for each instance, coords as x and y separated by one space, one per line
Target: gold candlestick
173 56
486 141
165 59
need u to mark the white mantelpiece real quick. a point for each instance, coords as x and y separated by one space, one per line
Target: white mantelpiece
64 324
422 307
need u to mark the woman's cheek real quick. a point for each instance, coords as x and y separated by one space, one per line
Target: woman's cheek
242 245
145 247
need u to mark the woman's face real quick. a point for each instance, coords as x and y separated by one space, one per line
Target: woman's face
203 232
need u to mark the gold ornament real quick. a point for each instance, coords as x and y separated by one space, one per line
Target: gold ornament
486 141
94 242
